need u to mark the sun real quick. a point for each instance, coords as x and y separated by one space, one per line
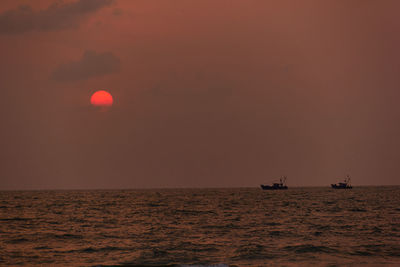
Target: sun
101 98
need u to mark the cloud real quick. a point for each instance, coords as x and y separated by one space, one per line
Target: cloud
58 16
92 64
117 12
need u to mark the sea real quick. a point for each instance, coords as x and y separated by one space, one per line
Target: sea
201 227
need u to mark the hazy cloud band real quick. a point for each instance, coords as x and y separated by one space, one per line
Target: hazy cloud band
58 16
92 64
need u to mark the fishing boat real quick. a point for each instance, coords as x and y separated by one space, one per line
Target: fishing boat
343 185
276 186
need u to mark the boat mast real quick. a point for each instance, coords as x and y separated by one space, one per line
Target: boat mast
283 180
348 179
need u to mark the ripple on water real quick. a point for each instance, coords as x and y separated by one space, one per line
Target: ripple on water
308 248
205 227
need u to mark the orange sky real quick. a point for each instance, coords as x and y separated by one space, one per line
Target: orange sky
206 93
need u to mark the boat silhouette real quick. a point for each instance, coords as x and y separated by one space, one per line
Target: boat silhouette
276 186
343 185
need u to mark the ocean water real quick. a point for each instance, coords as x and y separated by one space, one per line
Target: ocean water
201 227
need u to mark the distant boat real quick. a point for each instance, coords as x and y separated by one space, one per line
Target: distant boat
276 186
343 185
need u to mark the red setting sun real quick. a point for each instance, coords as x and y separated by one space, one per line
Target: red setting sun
101 98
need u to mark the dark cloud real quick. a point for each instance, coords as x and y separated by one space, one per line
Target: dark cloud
117 12
58 16
92 64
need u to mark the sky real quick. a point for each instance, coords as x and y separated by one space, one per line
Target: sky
207 93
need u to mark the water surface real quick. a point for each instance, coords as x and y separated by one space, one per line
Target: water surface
240 227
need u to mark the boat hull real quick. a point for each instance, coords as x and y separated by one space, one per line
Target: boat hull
335 186
269 187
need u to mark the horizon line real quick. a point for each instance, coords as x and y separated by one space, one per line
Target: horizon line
184 187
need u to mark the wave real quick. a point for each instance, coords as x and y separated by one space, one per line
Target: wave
167 265
94 250
15 219
308 248
17 241
376 250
